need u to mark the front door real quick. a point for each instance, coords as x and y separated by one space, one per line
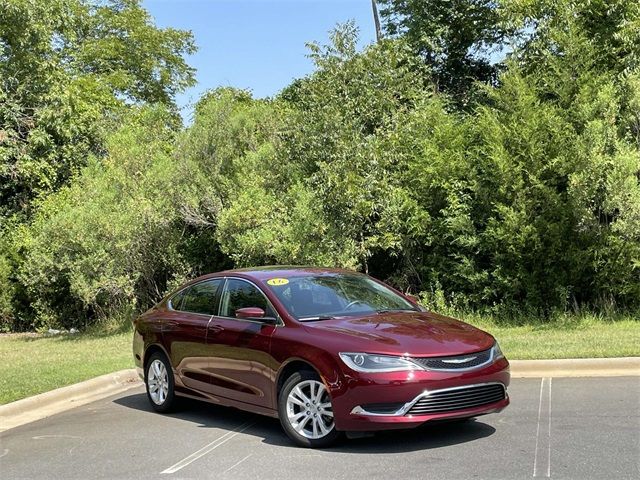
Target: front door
241 364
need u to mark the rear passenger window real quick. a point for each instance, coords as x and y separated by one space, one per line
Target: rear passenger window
176 300
201 297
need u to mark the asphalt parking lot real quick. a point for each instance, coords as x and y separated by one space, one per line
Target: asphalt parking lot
557 428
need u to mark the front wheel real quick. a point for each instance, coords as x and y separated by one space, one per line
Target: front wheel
158 379
305 411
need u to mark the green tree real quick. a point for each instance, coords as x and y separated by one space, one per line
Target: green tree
454 37
243 186
301 179
67 71
528 201
341 114
111 241
6 294
555 30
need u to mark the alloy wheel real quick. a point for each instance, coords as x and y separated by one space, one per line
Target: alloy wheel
309 410
158 382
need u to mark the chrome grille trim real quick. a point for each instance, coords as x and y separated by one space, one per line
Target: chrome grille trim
446 400
461 399
456 363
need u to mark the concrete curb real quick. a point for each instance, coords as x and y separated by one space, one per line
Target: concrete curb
59 400
49 403
578 367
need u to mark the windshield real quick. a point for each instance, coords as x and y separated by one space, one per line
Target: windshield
337 295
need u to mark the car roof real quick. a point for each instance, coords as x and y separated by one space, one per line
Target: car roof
285 271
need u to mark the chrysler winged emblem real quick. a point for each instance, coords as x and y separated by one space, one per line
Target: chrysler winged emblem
459 360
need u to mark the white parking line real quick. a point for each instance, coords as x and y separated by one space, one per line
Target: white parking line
207 448
236 464
549 433
535 458
542 468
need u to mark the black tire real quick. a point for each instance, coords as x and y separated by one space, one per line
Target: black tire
160 403
302 379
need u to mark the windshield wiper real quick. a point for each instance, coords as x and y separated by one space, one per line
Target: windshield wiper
391 310
316 318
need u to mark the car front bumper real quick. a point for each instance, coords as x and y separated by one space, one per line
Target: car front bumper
397 400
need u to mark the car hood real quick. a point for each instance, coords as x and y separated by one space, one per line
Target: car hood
404 333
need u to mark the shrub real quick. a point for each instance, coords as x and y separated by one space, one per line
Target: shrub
110 241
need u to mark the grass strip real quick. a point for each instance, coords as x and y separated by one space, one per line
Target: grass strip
32 364
569 337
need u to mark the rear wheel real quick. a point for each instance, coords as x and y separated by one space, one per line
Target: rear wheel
160 384
305 411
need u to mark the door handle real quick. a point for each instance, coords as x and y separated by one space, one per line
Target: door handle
215 329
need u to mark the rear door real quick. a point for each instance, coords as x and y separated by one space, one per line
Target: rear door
241 364
185 333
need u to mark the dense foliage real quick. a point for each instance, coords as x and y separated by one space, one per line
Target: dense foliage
456 38
68 68
523 197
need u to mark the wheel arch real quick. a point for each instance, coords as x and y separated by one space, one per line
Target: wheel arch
323 365
149 351
290 367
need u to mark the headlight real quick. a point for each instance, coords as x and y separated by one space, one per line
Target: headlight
366 362
496 353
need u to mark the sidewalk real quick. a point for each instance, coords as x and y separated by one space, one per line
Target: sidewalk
582 367
59 400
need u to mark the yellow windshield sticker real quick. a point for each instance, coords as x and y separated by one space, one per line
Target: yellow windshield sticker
276 282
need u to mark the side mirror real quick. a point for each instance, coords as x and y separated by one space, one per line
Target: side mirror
250 313
255 313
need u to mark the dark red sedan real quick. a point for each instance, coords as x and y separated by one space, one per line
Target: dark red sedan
324 350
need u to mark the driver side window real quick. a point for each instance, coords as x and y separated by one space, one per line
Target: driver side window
241 294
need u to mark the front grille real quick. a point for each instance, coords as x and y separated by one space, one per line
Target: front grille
457 362
458 399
